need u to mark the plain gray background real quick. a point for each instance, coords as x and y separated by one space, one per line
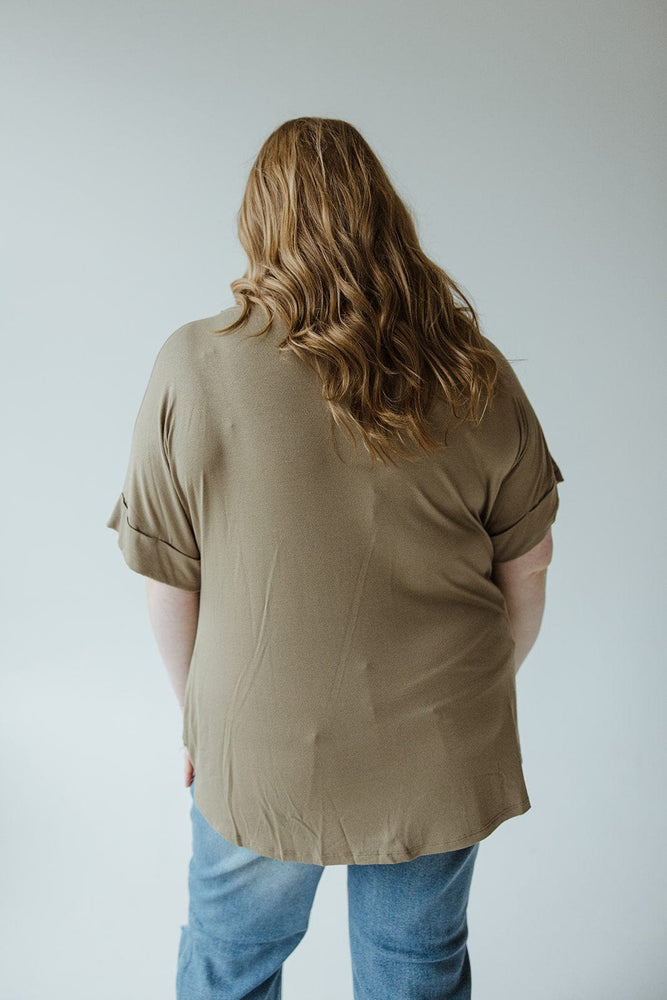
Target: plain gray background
529 141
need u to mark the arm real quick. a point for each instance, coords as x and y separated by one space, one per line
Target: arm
523 584
174 614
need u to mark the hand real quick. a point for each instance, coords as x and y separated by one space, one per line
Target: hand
189 769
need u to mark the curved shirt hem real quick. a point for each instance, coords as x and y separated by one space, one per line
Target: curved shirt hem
387 857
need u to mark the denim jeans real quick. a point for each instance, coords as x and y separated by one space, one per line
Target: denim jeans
407 922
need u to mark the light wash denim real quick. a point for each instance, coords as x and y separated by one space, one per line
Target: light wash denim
408 926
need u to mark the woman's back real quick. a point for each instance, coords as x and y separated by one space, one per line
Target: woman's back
351 697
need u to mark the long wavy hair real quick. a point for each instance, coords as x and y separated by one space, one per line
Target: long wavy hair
334 252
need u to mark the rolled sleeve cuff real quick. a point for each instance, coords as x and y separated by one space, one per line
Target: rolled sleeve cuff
524 535
151 556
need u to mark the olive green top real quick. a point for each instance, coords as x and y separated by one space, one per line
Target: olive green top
351 697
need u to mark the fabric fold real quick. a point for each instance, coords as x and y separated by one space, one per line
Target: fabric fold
150 556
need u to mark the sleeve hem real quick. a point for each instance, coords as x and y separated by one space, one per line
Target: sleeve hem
153 557
524 535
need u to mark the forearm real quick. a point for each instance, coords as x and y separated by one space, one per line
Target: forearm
174 614
525 600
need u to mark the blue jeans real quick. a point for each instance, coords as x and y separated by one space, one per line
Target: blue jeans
247 913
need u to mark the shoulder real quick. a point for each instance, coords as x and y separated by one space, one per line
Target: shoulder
185 342
508 380
181 355
505 421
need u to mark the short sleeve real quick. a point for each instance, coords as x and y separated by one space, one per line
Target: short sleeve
151 516
527 501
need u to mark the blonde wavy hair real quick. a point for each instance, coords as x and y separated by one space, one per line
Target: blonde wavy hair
334 252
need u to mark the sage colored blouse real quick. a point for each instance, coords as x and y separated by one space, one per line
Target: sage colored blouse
351 696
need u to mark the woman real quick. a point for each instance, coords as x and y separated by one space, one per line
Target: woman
342 500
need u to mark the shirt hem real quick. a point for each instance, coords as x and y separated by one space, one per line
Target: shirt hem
390 857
